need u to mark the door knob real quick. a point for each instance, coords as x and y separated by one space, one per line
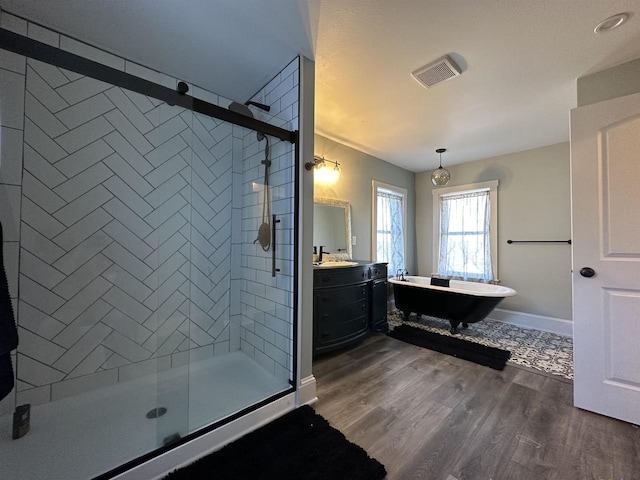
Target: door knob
587 272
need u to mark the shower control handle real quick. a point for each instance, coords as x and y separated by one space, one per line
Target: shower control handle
587 272
274 270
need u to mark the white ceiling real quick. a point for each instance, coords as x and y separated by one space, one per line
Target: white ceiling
520 61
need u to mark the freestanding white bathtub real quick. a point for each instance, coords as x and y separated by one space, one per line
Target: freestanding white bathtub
460 302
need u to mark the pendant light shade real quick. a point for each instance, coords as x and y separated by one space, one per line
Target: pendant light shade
441 176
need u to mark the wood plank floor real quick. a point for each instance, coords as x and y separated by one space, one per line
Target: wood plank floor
426 415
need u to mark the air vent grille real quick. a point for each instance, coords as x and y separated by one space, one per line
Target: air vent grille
442 69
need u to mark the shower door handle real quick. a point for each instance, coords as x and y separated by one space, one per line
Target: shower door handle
273 246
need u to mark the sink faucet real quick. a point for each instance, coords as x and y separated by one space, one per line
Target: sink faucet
322 252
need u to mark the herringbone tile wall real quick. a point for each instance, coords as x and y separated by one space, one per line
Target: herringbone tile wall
129 227
118 251
266 302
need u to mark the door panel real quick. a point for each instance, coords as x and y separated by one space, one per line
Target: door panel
622 314
621 175
605 174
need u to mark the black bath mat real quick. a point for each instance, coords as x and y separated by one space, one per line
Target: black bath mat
301 445
474 352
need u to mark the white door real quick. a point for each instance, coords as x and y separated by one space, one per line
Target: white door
605 190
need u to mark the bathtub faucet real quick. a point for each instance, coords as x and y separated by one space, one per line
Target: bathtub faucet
401 273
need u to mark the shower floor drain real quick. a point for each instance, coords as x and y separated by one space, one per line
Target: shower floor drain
156 412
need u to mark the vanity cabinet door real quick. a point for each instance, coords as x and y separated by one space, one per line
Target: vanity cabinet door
379 306
341 316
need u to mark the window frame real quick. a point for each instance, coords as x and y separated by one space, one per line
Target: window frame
492 186
375 184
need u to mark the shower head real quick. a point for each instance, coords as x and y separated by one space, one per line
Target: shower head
244 110
261 106
241 109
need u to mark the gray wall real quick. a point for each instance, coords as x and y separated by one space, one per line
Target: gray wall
357 170
533 203
610 83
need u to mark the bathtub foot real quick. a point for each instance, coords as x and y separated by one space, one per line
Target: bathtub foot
465 325
454 327
406 314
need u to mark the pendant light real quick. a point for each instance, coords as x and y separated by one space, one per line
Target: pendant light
441 176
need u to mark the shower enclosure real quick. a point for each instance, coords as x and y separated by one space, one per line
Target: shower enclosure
146 311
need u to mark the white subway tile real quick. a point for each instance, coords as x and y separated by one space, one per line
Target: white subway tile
38 322
83 300
13 23
40 89
11 99
92 53
87 110
13 62
37 373
44 35
75 282
39 271
85 134
92 362
10 156
83 205
38 348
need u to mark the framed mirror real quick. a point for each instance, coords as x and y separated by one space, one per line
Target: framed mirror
332 226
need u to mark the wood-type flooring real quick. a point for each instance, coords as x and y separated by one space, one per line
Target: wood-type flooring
426 415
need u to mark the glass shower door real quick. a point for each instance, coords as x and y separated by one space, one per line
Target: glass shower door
241 298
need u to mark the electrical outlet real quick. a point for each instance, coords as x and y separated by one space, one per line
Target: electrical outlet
353 240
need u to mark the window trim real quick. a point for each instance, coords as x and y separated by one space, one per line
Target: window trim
375 184
492 186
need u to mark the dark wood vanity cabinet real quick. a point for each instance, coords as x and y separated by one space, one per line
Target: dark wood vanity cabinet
348 302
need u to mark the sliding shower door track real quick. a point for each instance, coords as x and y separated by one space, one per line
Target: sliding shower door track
28 47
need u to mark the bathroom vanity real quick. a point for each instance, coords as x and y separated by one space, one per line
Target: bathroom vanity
349 301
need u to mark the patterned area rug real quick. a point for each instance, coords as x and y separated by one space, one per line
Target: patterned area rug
543 351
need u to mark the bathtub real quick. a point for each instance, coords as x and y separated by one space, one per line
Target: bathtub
460 303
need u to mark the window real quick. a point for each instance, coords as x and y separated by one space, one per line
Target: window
465 231
389 214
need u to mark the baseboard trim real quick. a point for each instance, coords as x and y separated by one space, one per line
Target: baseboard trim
307 391
185 454
538 322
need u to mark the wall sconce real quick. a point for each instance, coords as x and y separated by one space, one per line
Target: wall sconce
322 172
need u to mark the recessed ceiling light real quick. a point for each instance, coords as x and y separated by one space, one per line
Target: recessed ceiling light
611 23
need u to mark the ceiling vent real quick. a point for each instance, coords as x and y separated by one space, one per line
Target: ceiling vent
442 69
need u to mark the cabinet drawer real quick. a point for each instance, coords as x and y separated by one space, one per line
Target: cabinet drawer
340 276
340 333
336 297
379 271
